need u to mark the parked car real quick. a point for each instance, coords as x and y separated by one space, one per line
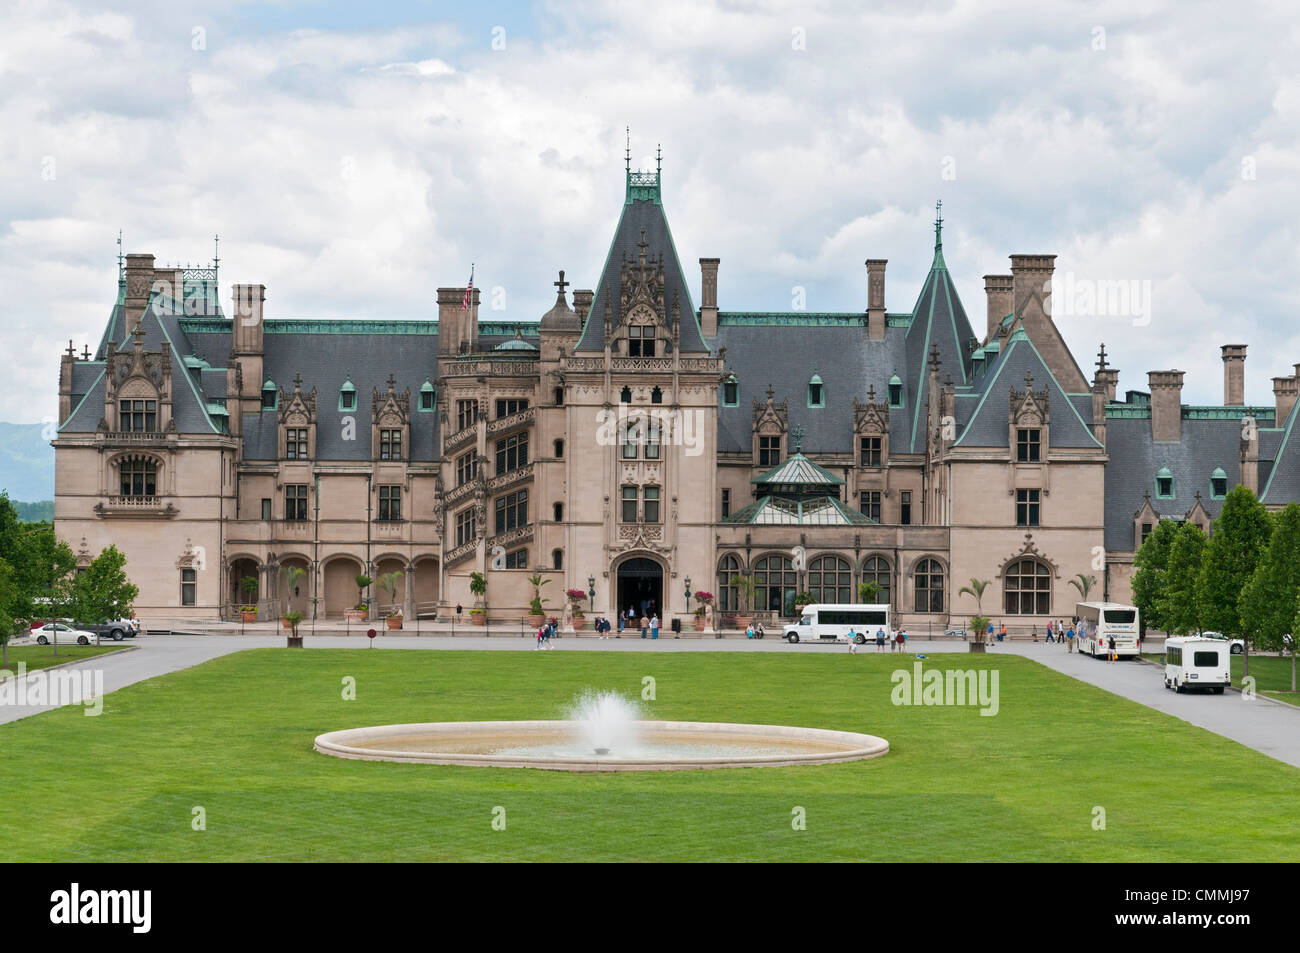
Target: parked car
65 634
1235 646
116 629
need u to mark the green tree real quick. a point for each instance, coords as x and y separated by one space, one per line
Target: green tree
1084 583
1267 603
8 599
868 591
1178 605
1150 563
1238 542
103 591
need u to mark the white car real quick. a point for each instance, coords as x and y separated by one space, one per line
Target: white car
1235 646
65 634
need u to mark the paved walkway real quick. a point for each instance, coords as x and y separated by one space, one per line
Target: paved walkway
1265 725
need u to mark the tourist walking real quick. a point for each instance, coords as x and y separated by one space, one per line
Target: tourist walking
880 637
899 639
853 641
645 624
1111 649
1069 639
1049 631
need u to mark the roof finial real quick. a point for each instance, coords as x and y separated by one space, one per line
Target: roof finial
1101 357
216 258
797 433
938 225
627 151
659 159
561 284
119 254
1029 380
770 392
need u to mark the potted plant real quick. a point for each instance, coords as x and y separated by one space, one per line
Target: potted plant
746 586
702 601
976 591
389 582
478 586
359 612
575 597
802 599
868 591
291 618
248 612
536 610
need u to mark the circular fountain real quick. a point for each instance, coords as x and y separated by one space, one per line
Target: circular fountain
604 732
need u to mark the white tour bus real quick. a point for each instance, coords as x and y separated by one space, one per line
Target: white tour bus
1098 621
1197 662
832 622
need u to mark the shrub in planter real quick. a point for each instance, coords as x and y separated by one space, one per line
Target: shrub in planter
248 613
478 616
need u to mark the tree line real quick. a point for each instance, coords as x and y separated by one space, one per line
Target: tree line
1242 580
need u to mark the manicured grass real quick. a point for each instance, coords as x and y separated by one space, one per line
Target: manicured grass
1272 675
41 656
234 737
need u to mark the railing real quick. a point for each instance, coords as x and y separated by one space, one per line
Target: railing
134 436
643 363
461 552
517 419
455 495
460 438
520 534
135 506
510 478
472 367
584 364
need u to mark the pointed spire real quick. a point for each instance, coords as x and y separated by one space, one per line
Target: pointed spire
627 151
938 225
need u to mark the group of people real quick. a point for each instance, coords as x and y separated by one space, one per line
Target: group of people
649 621
755 630
897 642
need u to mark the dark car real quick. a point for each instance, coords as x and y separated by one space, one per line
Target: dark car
117 629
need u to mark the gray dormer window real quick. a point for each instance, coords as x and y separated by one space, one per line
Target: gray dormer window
269 395
895 392
1218 484
816 391
347 396
1164 484
731 392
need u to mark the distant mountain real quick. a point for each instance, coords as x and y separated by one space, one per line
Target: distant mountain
26 462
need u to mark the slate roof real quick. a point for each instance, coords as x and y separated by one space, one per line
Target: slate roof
939 320
641 213
987 425
1282 482
841 354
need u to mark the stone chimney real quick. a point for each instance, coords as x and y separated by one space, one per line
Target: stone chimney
999 290
456 327
709 297
1234 375
1104 383
876 298
139 284
247 303
582 303
1285 391
1166 405
1029 273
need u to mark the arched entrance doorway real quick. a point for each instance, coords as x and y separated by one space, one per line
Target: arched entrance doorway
641 586
340 584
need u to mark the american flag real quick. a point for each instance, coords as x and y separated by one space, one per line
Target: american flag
469 291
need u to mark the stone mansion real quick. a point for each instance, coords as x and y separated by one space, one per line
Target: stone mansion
634 445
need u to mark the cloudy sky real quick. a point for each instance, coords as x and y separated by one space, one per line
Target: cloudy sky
354 157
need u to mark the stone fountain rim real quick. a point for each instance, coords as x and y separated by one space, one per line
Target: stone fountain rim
349 743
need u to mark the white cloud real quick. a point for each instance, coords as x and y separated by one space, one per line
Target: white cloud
355 171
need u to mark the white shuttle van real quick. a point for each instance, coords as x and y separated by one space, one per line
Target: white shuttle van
1193 662
837 622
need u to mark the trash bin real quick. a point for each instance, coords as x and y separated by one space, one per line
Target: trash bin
677 625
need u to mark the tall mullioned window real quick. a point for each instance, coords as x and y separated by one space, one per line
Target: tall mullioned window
466 413
295 502
869 448
466 527
390 445
1028 444
1028 503
295 443
641 340
508 406
1028 588
512 453
139 477
390 502
769 451
138 416
928 583
512 511
466 467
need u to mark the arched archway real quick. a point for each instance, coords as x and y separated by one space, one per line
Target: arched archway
390 603
241 568
298 596
640 582
425 586
340 584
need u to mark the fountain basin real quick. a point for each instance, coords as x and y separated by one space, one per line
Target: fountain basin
558 745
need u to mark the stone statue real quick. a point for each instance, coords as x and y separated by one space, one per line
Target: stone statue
566 622
708 617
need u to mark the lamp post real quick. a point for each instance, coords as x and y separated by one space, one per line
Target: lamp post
688 595
591 594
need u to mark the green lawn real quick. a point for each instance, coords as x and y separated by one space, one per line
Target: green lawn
234 736
1272 675
42 656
